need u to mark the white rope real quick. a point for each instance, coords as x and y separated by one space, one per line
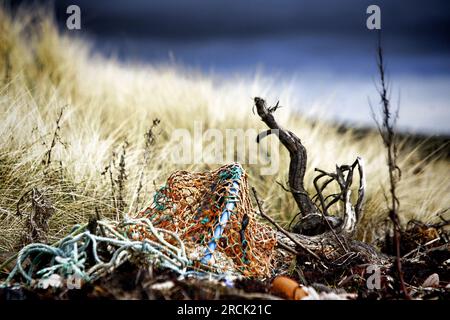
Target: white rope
69 255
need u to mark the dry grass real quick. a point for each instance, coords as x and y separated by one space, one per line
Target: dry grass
107 104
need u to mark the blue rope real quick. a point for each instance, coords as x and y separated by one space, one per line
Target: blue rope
234 174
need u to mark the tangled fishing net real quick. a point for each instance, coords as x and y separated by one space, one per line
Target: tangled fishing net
213 215
197 222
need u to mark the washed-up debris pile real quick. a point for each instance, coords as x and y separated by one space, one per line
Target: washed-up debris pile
198 224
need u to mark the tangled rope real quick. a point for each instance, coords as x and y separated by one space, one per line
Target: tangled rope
69 256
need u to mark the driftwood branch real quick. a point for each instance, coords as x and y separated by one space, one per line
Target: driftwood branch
297 153
332 242
315 221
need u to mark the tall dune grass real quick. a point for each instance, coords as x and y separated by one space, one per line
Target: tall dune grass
109 106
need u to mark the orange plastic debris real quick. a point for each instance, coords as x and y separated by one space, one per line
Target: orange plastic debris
287 288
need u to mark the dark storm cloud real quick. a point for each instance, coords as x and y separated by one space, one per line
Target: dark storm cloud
423 24
323 45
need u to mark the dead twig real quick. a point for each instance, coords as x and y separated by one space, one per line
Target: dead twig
37 219
386 128
421 247
150 139
56 137
118 181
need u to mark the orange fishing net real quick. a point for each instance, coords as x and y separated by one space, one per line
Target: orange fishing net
212 214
